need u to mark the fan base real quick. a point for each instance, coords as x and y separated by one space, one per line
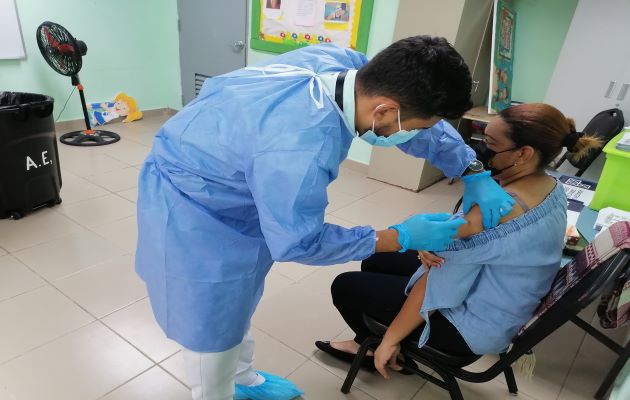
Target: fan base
88 138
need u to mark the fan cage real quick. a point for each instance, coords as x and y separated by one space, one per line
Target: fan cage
59 49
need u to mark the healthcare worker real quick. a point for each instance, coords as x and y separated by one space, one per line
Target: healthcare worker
237 180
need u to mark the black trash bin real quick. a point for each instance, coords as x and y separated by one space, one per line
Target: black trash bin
30 175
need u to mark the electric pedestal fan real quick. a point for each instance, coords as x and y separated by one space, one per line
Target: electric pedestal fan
64 54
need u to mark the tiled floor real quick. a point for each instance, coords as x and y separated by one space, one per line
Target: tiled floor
76 322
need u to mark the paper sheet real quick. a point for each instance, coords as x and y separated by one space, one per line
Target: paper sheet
305 13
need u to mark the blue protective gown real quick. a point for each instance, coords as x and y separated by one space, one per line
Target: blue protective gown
237 180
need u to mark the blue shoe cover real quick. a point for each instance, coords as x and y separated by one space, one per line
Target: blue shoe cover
274 388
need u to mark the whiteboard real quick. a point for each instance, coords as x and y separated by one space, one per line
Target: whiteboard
11 43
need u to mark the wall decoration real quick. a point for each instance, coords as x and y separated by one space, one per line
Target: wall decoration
279 26
502 57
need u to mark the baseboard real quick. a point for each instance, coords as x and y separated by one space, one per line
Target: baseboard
77 124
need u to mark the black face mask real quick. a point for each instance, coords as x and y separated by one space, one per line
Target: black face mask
485 155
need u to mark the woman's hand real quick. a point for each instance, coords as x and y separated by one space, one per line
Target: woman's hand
429 259
386 355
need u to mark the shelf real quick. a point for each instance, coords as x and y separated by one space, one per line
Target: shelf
479 113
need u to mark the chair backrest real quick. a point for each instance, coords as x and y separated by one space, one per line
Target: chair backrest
605 125
577 285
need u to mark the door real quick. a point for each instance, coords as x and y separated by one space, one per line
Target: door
589 72
212 41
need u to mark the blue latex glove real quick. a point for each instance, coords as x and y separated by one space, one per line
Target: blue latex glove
484 191
274 388
430 232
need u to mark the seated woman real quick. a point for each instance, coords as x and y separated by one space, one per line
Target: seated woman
490 282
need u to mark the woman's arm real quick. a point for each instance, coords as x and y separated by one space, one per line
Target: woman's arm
405 322
474 221
408 317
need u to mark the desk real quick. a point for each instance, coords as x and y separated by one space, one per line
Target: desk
479 113
584 225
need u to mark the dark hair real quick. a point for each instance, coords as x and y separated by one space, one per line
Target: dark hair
425 74
547 130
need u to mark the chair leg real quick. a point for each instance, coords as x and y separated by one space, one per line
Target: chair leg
511 382
612 374
356 364
509 378
451 384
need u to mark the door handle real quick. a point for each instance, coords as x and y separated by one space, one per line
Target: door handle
623 92
239 45
611 87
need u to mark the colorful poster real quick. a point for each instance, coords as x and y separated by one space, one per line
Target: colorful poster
502 56
282 25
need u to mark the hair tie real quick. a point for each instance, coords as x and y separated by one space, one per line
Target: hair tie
571 140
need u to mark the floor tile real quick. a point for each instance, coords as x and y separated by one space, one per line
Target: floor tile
128 152
402 199
145 138
270 354
68 254
331 219
4 393
67 152
16 278
273 356
397 387
2 251
37 317
155 384
321 280
87 165
298 317
117 180
378 216
355 184
474 391
130 194
592 364
39 227
75 189
85 364
554 356
318 384
337 200
294 271
123 233
175 366
99 211
275 282
137 325
104 288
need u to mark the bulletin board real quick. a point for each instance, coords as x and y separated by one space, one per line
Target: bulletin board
279 26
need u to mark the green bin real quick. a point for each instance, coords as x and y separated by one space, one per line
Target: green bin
613 188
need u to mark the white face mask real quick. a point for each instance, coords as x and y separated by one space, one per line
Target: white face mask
394 139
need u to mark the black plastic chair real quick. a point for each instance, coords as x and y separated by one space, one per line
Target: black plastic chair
451 368
605 125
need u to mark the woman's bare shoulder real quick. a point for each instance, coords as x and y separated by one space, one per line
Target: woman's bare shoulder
531 192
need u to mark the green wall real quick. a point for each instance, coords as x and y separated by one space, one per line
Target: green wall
133 46
541 27
381 34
